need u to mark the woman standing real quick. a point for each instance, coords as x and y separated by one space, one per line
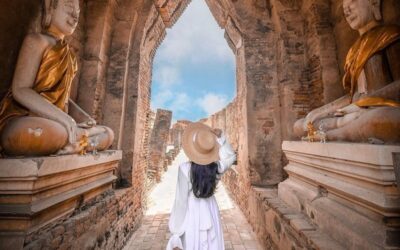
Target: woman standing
195 221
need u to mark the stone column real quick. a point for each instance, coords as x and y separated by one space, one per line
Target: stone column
137 102
176 134
115 95
263 109
99 18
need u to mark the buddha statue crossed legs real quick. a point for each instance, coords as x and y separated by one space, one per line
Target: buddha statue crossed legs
33 115
371 110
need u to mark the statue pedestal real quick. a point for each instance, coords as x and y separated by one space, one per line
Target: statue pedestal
348 190
37 191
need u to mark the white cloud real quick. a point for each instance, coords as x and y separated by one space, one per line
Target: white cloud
176 102
212 103
180 103
161 99
167 76
197 37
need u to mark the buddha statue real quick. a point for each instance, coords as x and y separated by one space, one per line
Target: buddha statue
34 119
370 112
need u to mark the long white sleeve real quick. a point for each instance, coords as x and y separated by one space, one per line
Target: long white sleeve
226 154
178 213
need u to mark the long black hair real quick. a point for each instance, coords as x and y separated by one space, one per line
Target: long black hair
203 179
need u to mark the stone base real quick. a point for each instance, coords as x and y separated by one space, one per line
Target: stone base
348 190
37 191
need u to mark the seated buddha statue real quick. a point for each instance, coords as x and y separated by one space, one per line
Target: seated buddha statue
370 112
34 119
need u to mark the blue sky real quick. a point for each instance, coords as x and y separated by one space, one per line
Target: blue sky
194 68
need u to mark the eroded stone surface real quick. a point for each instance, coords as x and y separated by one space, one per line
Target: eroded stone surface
36 194
349 195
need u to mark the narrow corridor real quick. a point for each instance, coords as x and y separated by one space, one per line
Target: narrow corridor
154 232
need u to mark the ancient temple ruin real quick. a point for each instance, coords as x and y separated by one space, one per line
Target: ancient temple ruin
290 61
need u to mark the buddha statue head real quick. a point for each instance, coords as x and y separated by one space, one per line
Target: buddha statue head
60 16
362 15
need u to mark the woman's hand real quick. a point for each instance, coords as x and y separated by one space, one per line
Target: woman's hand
217 132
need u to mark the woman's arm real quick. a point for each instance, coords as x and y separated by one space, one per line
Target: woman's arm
178 213
29 60
227 155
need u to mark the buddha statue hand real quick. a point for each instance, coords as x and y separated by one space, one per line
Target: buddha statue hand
79 145
87 124
346 110
71 127
310 119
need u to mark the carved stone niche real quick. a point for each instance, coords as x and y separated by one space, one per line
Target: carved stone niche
37 191
348 190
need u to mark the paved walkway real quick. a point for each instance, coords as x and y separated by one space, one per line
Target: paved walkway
154 234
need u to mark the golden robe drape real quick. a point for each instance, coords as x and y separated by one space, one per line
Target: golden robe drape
53 81
366 46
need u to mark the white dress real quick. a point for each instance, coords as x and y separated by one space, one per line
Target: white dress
195 223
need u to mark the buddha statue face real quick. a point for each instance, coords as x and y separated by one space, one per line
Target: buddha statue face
359 13
64 16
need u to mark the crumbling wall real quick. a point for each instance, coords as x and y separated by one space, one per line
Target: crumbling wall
175 135
106 222
158 144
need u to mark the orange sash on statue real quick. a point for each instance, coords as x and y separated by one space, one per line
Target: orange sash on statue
53 81
368 44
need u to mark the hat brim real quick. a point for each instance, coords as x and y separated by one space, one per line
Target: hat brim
189 148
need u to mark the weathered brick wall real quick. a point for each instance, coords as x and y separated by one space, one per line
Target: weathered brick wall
105 222
171 10
321 53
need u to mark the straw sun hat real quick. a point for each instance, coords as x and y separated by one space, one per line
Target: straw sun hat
200 144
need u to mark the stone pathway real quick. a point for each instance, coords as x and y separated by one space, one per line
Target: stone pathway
153 234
